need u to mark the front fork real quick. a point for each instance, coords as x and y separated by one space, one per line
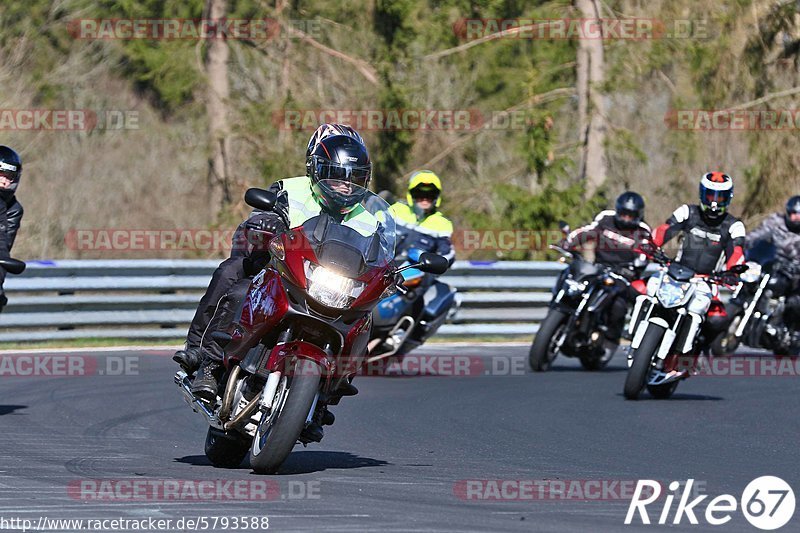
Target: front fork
751 307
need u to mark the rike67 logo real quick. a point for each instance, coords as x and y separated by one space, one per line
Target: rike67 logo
767 503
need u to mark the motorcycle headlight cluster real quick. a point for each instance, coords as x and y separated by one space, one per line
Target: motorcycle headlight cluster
331 289
671 292
752 274
573 287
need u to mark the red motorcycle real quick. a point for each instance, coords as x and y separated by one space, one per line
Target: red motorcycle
301 332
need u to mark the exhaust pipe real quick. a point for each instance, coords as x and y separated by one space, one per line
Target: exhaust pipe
404 320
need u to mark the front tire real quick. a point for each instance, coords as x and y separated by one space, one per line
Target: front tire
225 450
543 353
726 342
278 430
642 361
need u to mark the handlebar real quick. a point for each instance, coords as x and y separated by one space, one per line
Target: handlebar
12 266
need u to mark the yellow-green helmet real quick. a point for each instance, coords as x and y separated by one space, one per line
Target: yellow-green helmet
424 179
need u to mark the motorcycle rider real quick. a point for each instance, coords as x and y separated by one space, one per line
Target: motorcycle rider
421 226
337 157
10 209
783 231
618 235
237 266
420 216
712 237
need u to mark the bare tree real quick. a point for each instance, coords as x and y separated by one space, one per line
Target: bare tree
591 109
217 93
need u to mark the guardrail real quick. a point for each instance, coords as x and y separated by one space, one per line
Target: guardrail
156 299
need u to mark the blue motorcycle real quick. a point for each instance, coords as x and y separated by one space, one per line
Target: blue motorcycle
403 321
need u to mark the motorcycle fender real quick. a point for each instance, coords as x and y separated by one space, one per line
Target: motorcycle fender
666 341
694 327
438 299
637 308
299 349
598 302
637 340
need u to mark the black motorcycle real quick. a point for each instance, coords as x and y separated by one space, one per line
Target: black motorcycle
761 297
574 324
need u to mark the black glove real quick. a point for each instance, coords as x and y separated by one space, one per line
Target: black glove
267 223
273 225
260 230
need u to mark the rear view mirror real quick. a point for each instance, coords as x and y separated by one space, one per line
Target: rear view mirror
739 269
433 263
260 199
13 266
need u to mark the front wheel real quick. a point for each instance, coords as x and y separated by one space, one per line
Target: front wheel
642 361
726 342
543 350
279 429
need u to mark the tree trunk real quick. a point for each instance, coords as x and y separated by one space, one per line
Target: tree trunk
218 91
591 109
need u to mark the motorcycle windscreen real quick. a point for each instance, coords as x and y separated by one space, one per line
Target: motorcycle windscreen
762 252
583 269
343 248
680 272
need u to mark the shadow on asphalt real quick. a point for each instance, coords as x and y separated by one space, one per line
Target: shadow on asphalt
606 370
306 462
300 462
9 409
194 460
676 397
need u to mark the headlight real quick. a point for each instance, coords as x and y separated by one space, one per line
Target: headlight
574 287
330 289
752 274
672 293
653 283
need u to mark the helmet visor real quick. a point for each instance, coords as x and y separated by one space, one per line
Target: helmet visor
328 170
710 197
425 192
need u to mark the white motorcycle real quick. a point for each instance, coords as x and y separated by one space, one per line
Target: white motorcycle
666 324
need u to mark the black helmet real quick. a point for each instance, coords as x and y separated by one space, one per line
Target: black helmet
793 208
10 167
630 205
329 130
336 160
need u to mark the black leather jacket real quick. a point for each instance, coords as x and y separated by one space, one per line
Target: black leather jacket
10 219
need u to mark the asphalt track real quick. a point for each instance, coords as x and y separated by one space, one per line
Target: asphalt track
399 453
